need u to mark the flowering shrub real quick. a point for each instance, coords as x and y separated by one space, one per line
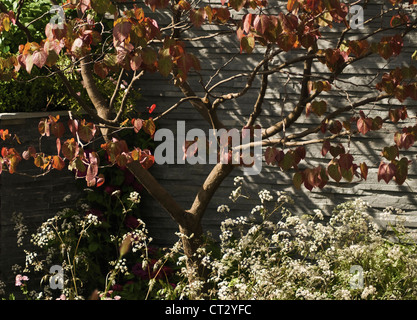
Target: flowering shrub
107 250
267 254
273 254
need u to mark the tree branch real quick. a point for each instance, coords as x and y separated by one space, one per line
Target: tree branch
94 94
209 187
259 101
298 109
159 193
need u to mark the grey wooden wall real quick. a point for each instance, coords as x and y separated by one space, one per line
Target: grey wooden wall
41 198
184 180
36 198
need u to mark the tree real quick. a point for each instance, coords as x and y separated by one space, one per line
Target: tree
103 39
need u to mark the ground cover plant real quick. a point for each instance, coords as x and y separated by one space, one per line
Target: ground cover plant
268 253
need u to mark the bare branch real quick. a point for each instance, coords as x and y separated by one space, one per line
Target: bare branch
128 89
116 89
158 192
259 101
176 105
209 187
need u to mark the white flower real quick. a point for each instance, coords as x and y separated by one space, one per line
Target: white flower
92 219
367 291
258 208
238 180
134 197
236 194
318 214
265 195
223 208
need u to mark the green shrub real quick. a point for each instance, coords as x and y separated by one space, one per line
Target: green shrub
43 94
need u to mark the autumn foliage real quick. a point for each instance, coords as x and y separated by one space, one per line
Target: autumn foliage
108 39
133 49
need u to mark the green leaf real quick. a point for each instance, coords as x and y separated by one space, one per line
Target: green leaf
297 180
334 171
402 170
288 161
390 153
348 174
149 56
364 170
247 44
103 6
165 65
319 107
149 127
93 246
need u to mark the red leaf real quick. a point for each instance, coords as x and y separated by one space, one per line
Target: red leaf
335 151
136 62
121 30
137 124
198 16
92 169
70 149
100 180
325 148
237 4
270 155
86 131
335 126
301 152
404 140
101 69
346 161
386 171
73 126
57 129
364 125
30 152
247 22
222 14
151 108
58 145
39 58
